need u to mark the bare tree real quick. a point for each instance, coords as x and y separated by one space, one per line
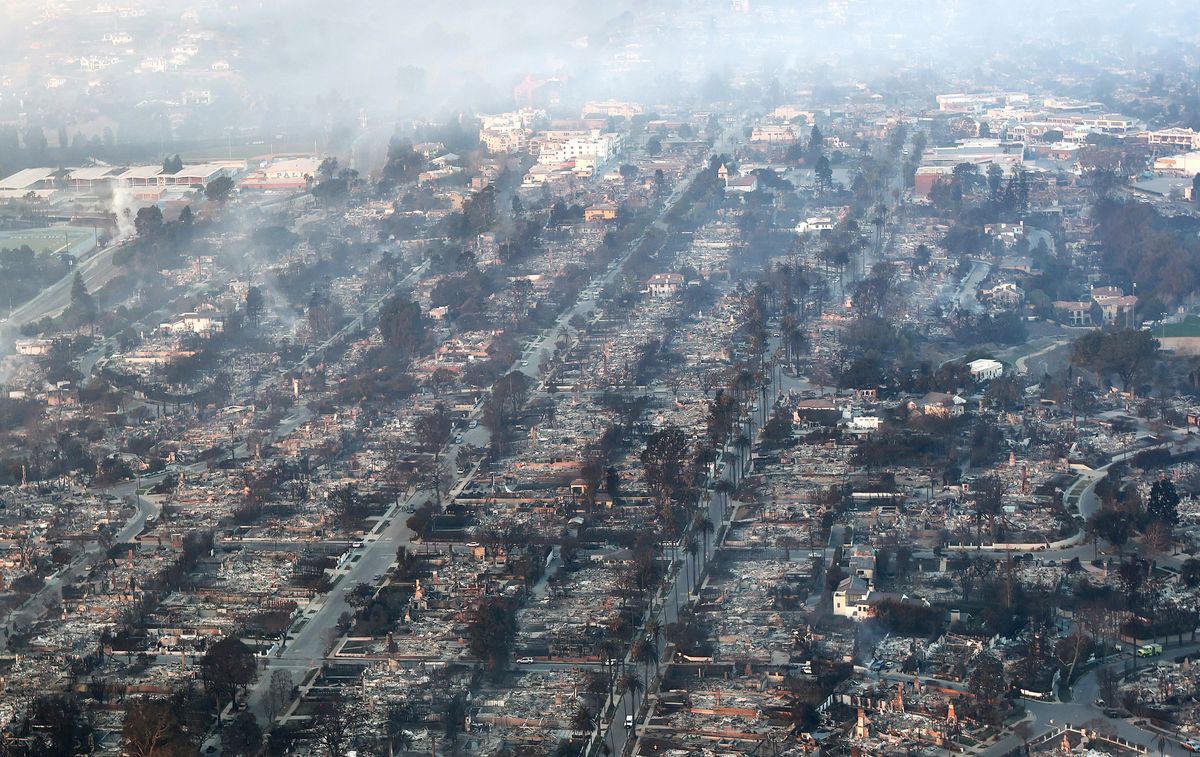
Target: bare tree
1156 539
279 692
153 729
989 494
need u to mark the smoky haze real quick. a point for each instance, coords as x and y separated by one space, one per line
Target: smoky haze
342 77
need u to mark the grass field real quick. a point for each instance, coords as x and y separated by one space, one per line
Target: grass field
46 240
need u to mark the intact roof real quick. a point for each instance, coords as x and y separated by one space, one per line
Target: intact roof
142 172
92 173
985 362
200 172
295 164
26 178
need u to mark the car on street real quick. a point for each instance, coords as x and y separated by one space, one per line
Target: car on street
525 661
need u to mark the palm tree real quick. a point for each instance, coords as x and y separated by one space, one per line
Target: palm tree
787 332
706 527
641 654
610 648
598 686
633 686
654 629
650 654
693 549
725 487
743 446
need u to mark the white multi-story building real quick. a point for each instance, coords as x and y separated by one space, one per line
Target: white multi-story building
597 148
1177 137
985 369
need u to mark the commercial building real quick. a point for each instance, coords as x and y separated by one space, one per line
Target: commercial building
1187 163
1188 139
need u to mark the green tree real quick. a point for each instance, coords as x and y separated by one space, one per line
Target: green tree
218 189
824 173
402 325
255 303
492 632
1129 353
874 293
1164 502
1113 525
663 461
226 668
242 737
331 190
582 720
403 162
148 222
327 169
82 310
778 430
987 682
646 653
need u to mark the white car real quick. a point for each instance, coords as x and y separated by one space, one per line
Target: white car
525 661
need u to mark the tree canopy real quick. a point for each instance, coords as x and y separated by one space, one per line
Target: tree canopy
1129 354
226 668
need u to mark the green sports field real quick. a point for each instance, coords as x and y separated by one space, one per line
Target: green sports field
45 240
